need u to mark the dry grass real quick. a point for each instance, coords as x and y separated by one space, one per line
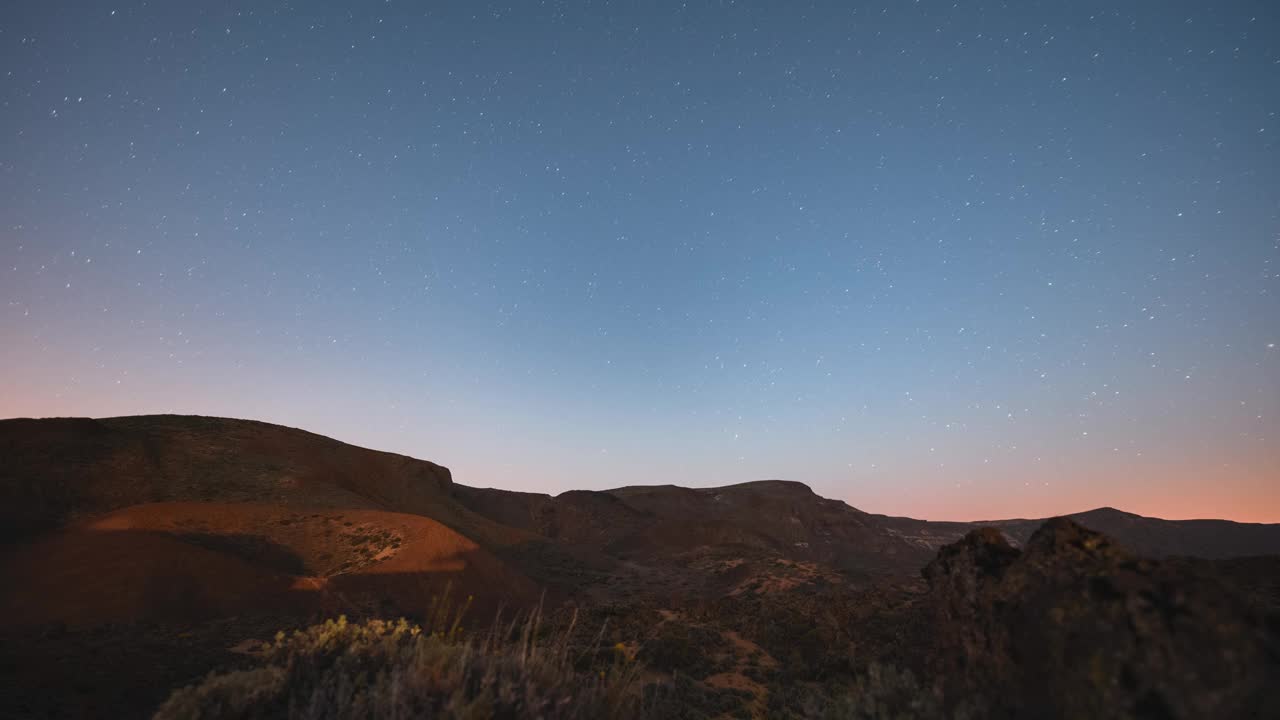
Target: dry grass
380 669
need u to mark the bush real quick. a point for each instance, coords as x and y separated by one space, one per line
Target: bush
881 692
886 693
381 669
682 648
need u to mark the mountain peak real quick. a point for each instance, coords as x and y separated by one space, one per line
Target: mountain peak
787 486
1108 510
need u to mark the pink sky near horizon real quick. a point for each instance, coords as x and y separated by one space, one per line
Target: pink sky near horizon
1243 488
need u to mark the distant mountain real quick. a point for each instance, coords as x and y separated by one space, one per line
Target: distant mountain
1154 537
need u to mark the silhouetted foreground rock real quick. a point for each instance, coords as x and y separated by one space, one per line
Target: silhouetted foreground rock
1074 626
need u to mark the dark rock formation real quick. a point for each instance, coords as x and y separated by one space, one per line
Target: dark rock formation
1075 626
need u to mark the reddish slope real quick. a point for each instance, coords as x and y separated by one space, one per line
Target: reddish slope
186 561
61 470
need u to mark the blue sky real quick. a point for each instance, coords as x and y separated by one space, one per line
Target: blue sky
941 259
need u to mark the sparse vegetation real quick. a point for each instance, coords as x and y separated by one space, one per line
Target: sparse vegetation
378 669
636 663
683 648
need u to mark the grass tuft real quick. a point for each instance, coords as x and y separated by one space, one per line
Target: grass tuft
384 669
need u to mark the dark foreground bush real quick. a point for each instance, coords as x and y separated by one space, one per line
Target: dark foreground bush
382 669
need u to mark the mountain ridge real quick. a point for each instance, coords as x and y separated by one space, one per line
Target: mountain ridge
86 422
427 480
670 542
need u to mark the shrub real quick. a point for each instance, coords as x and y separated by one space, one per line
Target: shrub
682 648
886 693
380 669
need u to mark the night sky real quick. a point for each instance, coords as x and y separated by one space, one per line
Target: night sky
953 260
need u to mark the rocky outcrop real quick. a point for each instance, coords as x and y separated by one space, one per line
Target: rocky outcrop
1073 625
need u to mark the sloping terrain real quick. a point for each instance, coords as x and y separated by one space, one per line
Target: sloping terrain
664 540
173 518
769 535
61 469
1070 626
192 561
136 553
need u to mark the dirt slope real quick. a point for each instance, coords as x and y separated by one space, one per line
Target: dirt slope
187 561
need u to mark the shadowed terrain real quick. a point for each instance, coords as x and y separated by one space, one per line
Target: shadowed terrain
130 541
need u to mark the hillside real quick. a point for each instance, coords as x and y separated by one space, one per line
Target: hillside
191 561
60 474
198 533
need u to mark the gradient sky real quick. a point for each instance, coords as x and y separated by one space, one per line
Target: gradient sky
952 260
